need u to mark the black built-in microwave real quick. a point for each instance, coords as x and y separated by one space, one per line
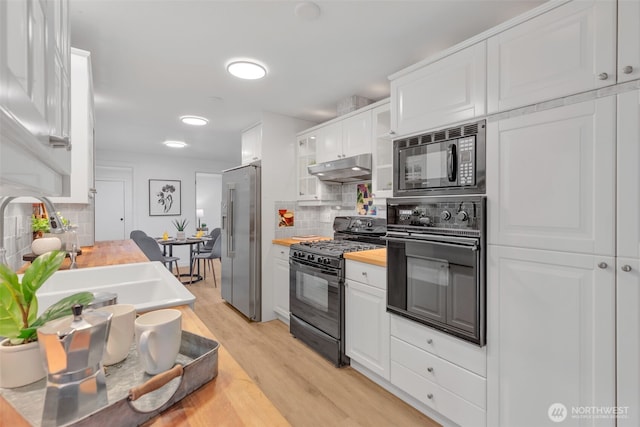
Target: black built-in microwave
445 162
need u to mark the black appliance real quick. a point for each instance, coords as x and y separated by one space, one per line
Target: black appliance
436 263
449 161
316 284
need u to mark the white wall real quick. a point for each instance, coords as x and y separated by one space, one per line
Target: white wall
153 166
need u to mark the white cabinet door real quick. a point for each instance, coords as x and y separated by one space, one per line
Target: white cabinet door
628 172
628 36
450 90
356 134
306 156
251 144
382 151
551 179
82 130
550 335
628 340
281 282
329 142
567 50
367 327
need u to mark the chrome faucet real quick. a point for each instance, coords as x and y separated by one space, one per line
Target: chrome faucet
56 224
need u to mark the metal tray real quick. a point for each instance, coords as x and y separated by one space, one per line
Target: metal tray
198 355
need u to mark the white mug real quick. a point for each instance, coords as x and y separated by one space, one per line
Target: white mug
121 332
158 337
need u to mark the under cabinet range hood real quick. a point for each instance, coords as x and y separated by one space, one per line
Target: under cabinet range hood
349 169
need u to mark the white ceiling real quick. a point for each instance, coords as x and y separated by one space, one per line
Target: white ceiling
154 61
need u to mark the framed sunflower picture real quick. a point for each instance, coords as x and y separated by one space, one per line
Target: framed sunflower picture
164 197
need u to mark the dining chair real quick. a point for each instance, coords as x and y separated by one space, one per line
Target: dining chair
215 253
208 245
152 250
136 234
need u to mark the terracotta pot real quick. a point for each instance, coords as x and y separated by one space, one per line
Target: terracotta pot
20 364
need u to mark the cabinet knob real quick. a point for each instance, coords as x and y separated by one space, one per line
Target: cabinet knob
626 268
628 69
429 341
430 369
602 265
282 252
392 132
603 76
430 396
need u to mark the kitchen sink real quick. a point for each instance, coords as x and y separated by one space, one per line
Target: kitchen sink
146 285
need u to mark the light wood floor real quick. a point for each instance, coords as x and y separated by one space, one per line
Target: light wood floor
307 389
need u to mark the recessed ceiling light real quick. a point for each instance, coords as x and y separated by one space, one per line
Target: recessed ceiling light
247 70
194 120
175 144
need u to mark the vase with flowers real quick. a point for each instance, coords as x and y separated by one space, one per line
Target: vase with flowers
20 358
180 226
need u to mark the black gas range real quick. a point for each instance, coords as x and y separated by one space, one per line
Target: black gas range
316 283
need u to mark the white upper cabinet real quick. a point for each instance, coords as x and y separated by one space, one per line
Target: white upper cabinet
345 138
450 90
310 188
82 183
35 146
551 179
628 40
551 336
382 176
252 144
564 51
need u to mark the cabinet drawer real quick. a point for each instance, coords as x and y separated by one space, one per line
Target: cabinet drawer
452 349
281 252
448 404
369 274
463 383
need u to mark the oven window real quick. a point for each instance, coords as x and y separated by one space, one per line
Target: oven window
427 282
312 290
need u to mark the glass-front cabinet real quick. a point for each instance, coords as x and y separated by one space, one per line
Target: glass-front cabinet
307 184
382 154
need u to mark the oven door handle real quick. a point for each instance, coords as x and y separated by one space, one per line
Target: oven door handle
467 243
314 270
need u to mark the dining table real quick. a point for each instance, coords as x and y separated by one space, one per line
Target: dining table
191 241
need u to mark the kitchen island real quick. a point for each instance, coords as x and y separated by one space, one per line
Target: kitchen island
230 399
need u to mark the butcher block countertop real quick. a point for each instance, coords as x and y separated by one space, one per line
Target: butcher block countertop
230 399
290 241
374 256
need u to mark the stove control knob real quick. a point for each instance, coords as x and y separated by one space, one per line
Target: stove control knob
369 224
326 261
445 215
425 220
462 216
319 260
310 257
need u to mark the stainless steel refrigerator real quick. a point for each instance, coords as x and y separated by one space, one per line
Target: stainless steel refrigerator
241 247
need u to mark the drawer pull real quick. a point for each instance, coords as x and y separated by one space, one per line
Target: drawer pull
430 396
626 268
430 369
429 341
364 273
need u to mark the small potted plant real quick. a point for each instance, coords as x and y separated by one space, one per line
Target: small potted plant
20 358
180 226
39 226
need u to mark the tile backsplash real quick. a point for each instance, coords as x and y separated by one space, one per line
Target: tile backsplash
318 219
17 233
81 216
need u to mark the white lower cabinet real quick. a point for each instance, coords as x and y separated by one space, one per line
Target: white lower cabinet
281 282
550 337
366 317
442 372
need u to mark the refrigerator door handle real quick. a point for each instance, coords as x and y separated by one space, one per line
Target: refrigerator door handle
230 238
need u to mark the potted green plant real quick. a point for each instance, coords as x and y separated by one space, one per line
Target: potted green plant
20 356
180 226
39 226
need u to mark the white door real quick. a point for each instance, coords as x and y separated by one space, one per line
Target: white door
567 50
550 337
551 179
110 217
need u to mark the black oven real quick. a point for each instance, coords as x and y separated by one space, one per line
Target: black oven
449 161
436 263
